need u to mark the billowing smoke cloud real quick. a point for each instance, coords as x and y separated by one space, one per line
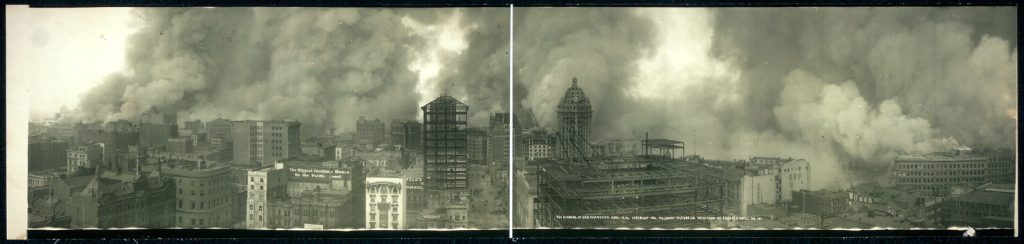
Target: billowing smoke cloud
936 63
322 67
847 89
480 72
599 46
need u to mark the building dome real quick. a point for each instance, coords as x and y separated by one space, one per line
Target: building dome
574 96
574 115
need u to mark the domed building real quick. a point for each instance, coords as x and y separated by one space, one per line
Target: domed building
574 115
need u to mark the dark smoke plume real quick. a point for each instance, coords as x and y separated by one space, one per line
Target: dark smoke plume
847 89
322 67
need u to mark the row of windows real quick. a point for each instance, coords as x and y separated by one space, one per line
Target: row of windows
940 173
975 165
394 207
200 221
941 180
394 199
373 225
373 216
251 219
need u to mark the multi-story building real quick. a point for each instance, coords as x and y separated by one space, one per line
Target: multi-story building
318 150
385 203
498 139
219 131
312 209
939 173
155 128
124 200
305 174
259 143
761 181
477 146
413 135
266 184
646 185
822 202
154 116
988 206
917 208
194 127
539 146
525 200
391 160
180 145
574 118
415 201
46 154
369 133
398 132
1001 166
205 193
88 157
445 157
122 134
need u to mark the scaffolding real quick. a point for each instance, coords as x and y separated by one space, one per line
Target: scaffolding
445 146
625 191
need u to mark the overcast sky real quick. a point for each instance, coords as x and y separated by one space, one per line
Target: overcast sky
64 52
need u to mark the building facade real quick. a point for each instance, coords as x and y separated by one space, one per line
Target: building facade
822 203
988 206
156 127
313 209
44 154
219 132
574 118
88 157
204 193
124 200
477 146
369 133
445 157
259 143
266 184
939 173
385 203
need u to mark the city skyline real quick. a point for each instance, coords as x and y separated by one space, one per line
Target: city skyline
843 87
445 118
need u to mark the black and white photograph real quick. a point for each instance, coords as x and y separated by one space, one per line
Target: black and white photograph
502 118
766 118
264 118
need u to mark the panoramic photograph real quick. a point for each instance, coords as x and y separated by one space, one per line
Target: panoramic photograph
766 118
265 118
507 119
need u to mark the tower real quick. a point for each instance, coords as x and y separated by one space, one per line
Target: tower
445 145
445 155
574 113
